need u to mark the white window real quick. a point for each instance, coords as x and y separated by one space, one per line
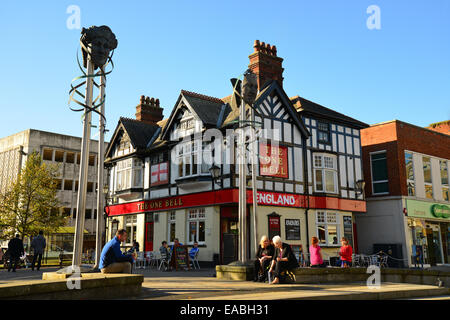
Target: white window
129 174
193 160
410 182
327 228
196 225
171 224
444 179
131 227
325 173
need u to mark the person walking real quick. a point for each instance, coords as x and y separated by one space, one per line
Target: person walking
315 254
15 248
38 244
112 260
346 252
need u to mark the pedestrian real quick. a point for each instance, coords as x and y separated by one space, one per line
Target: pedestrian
38 244
346 252
282 260
315 254
194 251
263 260
15 248
112 260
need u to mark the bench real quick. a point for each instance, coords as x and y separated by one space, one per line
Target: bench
64 257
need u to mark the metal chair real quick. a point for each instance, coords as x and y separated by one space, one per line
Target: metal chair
148 258
156 257
164 260
374 260
194 261
140 260
356 260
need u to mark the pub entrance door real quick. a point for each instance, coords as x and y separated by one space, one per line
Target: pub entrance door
228 235
148 236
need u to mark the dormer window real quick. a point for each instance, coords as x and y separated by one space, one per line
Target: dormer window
323 132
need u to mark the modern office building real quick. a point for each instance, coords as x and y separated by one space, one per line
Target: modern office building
63 150
407 192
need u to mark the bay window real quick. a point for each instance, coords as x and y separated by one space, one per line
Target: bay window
129 174
325 173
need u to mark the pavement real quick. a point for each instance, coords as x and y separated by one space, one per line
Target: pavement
202 285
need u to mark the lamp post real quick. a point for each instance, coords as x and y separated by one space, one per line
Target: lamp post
215 174
360 184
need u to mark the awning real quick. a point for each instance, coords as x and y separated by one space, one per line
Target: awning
67 230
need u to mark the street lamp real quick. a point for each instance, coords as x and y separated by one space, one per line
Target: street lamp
215 174
360 184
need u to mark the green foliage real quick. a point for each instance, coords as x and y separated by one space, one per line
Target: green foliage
30 204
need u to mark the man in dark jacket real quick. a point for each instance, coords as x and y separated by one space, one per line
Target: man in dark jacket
112 260
38 244
15 249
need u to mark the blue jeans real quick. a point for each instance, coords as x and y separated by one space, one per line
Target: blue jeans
344 263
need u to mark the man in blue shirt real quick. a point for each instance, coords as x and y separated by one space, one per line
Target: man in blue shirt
193 251
112 260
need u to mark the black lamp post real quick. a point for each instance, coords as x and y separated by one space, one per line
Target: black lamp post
215 174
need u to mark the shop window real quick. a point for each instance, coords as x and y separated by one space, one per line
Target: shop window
59 156
323 132
70 157
196 225
171 224
68 184
426 162
410 182
131 228
327 228
47 154
325 173
444 179
378 163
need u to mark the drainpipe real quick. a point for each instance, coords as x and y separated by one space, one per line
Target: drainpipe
306 189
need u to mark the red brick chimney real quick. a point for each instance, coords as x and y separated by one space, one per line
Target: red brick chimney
265 63
149 111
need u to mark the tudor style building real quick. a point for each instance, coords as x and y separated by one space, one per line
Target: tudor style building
161 186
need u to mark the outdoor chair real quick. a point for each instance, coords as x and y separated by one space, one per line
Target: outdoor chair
374 260
164 260
194 261
140 260
148 257
156 258
384 261
356 260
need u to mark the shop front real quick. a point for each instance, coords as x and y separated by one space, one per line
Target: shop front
211 219
428 235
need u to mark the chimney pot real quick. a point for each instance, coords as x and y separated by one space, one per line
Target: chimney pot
256 45
142 99
274 50
147 100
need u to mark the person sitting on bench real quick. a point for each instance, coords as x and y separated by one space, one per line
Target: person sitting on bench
283 259
112 260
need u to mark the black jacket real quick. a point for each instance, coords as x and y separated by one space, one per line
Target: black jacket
15 247
269 251
287 253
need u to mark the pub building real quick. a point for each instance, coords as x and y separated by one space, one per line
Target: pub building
161 189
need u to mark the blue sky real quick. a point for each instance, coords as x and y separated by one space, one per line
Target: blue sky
401 71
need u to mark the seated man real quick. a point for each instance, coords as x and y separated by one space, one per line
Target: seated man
193 251
112 260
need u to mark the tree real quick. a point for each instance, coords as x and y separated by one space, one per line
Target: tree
30 203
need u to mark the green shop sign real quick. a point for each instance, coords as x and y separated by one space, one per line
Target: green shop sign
424 209
440 211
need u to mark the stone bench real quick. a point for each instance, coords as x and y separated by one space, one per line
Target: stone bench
92 286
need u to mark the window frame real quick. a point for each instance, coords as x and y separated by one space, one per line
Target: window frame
323 168
410 181
327 132
171 220
131 236
428 184
371 173
197 219
325 223
444 186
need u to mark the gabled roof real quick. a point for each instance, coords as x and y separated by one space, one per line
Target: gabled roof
270 87
208 109
140 133
308 107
